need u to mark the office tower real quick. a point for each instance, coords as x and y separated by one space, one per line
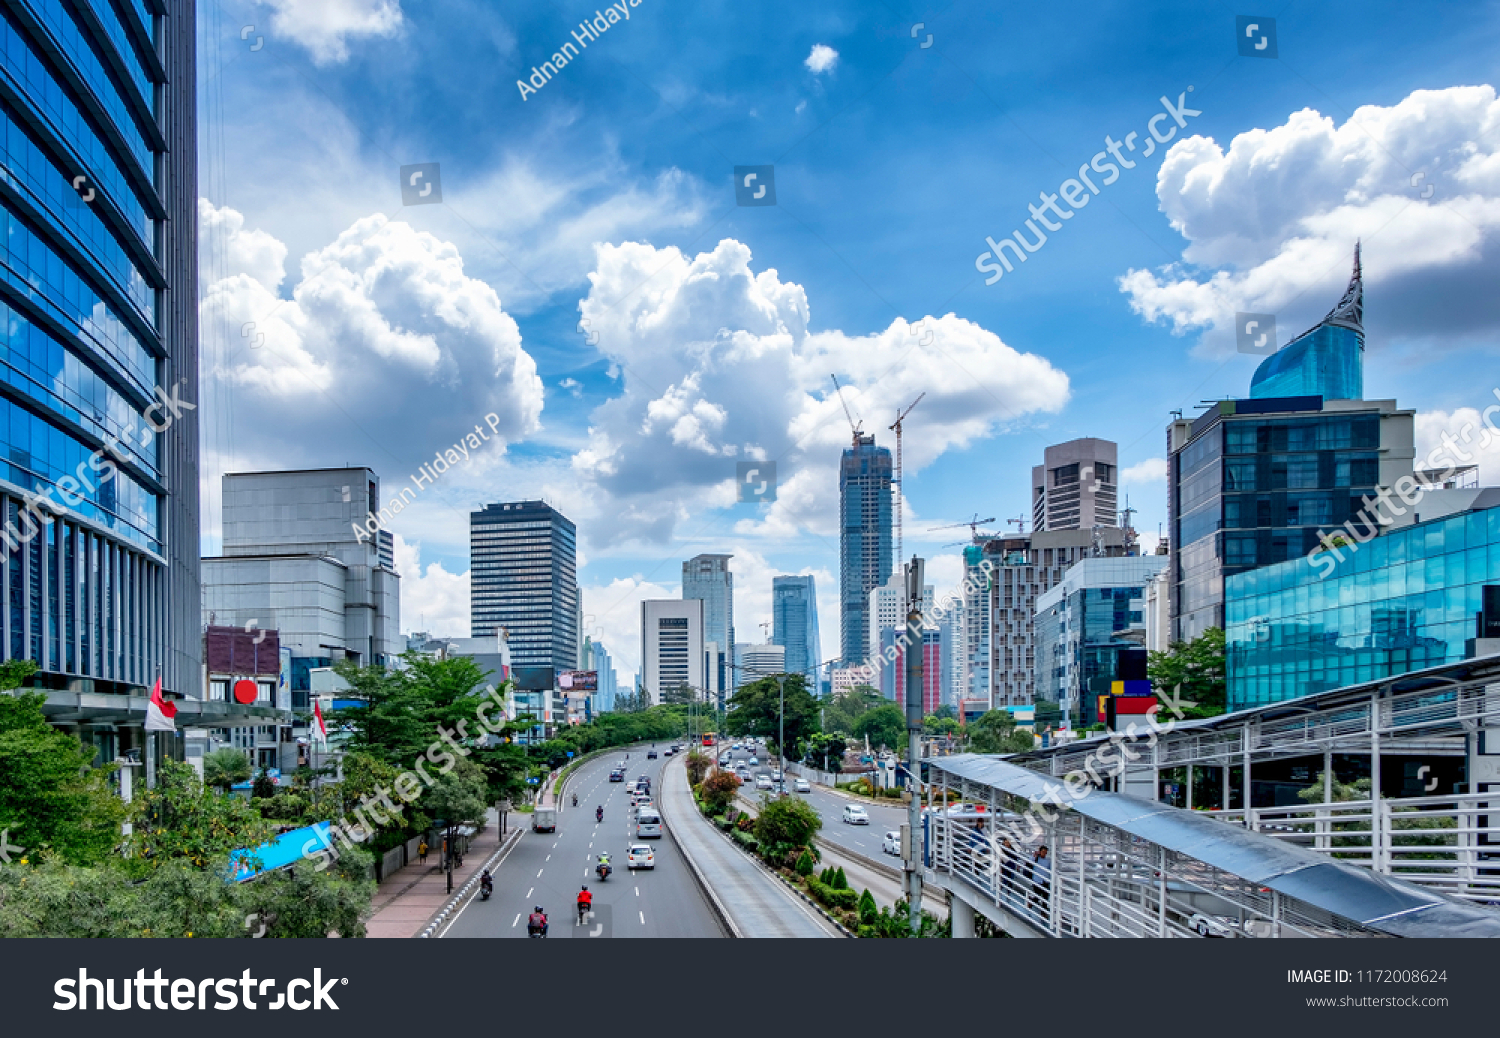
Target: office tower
1259 481
298 558
864 539
98 425
1076 486
887 609
523 557
934 677
1082 626
955 668
1327 360
707 579
759 661
671 647
794 605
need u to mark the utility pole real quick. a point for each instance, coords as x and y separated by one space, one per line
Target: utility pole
912 864
781 721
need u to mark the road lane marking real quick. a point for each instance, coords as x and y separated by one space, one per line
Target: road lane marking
538 873
518 919
637 891
547 858
643 918
528 894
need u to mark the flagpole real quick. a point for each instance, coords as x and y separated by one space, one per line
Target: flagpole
151 747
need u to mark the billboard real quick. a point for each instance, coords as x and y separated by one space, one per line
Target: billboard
578 680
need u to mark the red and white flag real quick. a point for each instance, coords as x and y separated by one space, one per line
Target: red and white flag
159 712
320 730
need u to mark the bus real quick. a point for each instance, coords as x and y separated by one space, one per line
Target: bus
708 738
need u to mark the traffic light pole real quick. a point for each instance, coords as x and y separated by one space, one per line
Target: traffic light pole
912 863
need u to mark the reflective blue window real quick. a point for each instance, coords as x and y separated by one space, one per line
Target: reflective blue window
105 11
45 370
31 78
27 167
31 266
69 38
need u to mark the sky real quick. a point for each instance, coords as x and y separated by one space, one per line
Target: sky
569 269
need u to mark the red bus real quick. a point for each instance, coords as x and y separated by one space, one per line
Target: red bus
708 738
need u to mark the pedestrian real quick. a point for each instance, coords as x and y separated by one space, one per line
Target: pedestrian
1041 879
422 852
1007 866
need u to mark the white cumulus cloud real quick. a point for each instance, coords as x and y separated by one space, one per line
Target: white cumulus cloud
1271 222
1152 470
325 27
822 58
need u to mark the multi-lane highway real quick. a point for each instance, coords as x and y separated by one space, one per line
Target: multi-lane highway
549 869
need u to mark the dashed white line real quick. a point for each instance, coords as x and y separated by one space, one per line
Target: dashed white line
538 873
637 891
643 918
528 894
547 858
518 919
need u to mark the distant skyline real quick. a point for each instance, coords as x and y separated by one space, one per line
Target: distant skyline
583 292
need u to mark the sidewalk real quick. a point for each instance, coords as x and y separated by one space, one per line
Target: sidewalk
410 896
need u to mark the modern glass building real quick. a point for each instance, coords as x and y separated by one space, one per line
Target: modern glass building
98 297
794 625
1081 626
707 578
865 543
1403 601
1328 360
524 561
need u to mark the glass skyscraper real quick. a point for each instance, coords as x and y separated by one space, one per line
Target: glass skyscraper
98 295
1404 600
794 615
524 557
708 579
1327 361
864 539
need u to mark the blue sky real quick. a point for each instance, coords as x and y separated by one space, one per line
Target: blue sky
607 194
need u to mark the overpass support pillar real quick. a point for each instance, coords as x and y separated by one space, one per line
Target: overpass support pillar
961 915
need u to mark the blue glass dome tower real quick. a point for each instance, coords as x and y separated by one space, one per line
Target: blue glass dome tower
1326 361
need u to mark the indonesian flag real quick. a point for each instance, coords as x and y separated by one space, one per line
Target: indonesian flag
159 712
320 730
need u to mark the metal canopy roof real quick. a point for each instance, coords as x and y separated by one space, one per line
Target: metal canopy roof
1375 901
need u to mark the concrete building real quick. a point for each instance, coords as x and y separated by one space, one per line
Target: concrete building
1076 487
671 646
758 661
99 420
1158 611
865 542
298 558
708 579
524 559
794 615
597 658
1083 623
887 609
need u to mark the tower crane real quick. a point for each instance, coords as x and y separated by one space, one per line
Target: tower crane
854 426
901 486
973 524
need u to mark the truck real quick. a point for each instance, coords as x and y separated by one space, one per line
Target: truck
544 820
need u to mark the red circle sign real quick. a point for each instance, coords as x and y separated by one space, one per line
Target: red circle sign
245 691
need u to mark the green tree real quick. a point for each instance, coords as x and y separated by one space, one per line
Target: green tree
842 710
1192 672
829 747
785 824
719 790
51 799
995 731
224 767
756 710
804 864
262 787
697 767
883 726
181 819
459 797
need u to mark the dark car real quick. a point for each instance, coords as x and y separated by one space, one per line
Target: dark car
617 776
651 755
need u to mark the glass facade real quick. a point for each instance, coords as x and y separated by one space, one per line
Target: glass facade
1400 602
524 579
865 542
1327 361
84 268
794 616
1253 490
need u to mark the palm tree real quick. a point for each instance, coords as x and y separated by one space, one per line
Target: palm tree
224 767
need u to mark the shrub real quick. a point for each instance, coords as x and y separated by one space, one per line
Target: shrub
805 864
785 824
868 911
840 882
719 789
746 841
697 767
831 897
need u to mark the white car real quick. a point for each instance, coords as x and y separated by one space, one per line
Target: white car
640 856
754 762
762 782
775 774
802 786
854 814
892 843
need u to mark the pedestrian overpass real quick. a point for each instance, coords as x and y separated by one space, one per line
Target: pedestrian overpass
1120 866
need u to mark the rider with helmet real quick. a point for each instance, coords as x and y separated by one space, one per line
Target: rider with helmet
585 902
599 813
536 923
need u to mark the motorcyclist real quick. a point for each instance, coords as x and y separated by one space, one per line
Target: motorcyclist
585 902
537 922
599 813
486 884
575 799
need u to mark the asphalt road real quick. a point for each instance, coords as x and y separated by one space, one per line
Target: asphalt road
548 869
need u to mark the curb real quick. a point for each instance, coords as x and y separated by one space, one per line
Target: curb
833 921
442 916
708 891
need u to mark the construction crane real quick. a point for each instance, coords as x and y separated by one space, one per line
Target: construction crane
1019 522
854 426
973 525
900 486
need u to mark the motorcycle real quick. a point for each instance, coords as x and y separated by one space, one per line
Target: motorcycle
575 799
583 910
533 930
599 815
603 870
485 890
